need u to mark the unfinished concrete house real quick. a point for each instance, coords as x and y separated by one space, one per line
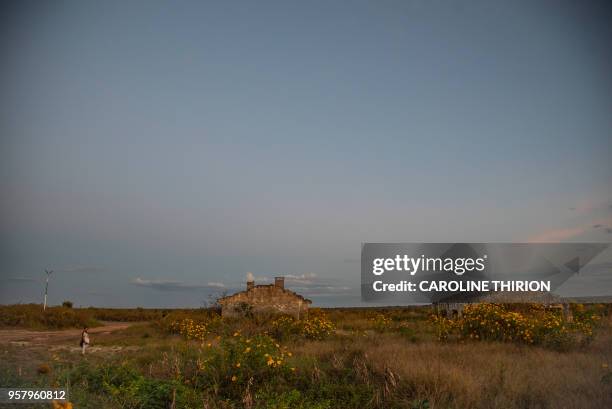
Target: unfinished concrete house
271 298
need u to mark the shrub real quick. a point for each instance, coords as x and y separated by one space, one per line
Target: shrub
316 326
196 330
222 369
381 322
444 326
67 304
284 327
124 385
244 360
167 321
495 322
532 325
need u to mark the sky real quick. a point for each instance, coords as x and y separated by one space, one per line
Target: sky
152 153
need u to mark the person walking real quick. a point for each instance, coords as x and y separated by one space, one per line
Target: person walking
84 340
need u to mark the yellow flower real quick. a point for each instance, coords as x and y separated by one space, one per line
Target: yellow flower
238 365
234 378
61 405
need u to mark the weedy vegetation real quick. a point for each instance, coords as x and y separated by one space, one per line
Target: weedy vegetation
494 356
32 316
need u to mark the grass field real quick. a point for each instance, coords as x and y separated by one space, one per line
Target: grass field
338 358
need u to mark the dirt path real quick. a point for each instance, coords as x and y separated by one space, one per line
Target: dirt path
26 337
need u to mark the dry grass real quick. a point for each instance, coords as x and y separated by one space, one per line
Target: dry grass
480 374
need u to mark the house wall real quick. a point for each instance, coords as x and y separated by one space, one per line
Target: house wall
265 299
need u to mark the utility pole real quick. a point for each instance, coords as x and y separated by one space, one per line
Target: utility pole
48 272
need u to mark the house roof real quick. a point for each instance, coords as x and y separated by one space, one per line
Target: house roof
254 288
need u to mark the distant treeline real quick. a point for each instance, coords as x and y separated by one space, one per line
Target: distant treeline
136 314
59 317
32 316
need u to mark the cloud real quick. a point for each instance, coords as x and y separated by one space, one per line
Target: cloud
81 269
169 285
306 278
21 279
562 234
584 206
556 235
592 206
306 283
324 290
313 286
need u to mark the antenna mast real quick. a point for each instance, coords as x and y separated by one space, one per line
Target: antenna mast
48 272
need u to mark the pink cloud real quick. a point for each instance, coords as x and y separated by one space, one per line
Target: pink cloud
562 234
556 235
590 206
585 206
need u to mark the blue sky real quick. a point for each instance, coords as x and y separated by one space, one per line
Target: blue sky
154 151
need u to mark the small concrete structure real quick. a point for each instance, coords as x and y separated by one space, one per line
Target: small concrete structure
270 298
